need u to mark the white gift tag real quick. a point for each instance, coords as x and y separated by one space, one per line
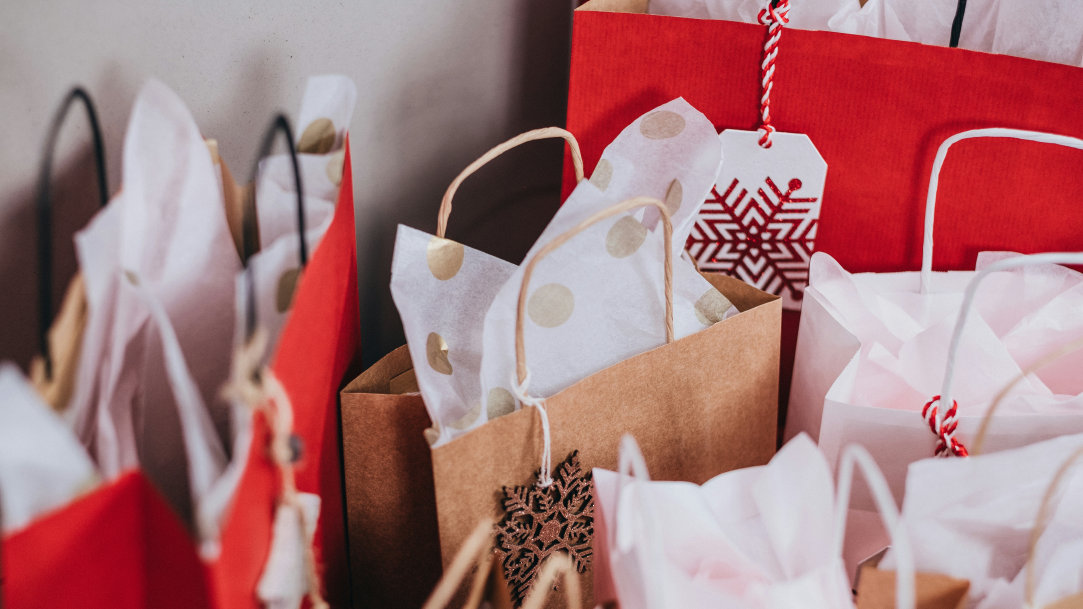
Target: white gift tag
283 585
759 222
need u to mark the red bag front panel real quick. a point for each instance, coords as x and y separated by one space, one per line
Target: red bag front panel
876 110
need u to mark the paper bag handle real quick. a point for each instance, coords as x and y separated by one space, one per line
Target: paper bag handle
250 225
938 163
557 565
632 466
530 136
1050 358
44 210
473 552
968 300
1041 521
609 212
905 580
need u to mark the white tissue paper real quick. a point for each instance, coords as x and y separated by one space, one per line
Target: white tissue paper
165 233
42 465
757 537
326 110
598 299
671 153
1046 30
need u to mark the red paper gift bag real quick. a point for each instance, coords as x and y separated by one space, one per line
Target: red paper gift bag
875 109
121 546
318 345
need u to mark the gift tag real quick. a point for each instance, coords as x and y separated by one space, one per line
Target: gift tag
759 222
283 584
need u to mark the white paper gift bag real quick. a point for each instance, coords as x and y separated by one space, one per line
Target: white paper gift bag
997 519
768 536
873 350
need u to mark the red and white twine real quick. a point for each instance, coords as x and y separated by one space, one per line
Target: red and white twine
774 17
947 444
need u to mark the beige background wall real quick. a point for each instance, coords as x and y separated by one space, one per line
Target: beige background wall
439 83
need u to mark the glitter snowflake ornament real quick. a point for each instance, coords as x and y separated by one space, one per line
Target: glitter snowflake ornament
539 521
759 224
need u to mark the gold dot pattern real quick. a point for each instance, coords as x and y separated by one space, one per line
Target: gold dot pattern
437 351
287 285
625 237
711 307
465 421
551 305
445 257
318 137
602 175
674 196
662 125
432 434
334 167
499 403
131 277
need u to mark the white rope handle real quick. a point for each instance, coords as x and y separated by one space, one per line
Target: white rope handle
905 580
938 163
628 523
968 300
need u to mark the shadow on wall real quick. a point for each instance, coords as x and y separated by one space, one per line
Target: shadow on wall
502 208
75 200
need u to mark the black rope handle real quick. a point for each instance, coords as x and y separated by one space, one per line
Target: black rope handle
957 24
249 219
44 210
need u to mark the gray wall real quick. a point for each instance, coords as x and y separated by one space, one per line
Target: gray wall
439 83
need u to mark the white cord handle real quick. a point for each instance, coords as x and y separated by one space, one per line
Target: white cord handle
628 525
905 593
968 300
934 179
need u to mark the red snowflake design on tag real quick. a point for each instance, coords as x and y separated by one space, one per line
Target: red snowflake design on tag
764 238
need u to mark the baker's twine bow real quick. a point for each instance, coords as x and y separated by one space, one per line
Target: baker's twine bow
947 444
545 476
257 387
774 17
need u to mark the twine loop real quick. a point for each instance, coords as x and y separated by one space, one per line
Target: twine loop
545 476
947 444
257 387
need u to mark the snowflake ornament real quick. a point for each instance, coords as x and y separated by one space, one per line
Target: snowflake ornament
539 521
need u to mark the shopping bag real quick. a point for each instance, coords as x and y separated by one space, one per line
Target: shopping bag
386 430
696 421
118 544
861 100
873 343
767 536
1005 521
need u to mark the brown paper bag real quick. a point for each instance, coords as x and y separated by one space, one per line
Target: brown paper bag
701 405
876 590
390 505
